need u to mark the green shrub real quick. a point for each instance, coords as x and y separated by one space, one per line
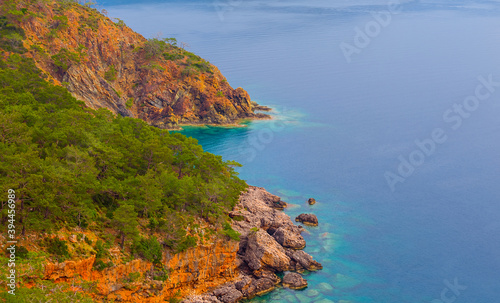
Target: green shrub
153 66
186 243
129 103
21 252
230 232
220 94
134 276
101 251
238 218
101 265
110 74
92 21
160 275
61 22
149 249
119 22
188 71
64 59
173 56
57 248
87 240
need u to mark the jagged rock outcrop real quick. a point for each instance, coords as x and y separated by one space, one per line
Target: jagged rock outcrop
262 251
294 281
106 64
307 219
302 261
270 243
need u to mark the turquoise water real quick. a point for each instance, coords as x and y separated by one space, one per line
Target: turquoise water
340 126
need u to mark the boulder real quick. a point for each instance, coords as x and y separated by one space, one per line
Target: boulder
294 280
201 299
231 296
290 237
302 261
307 219
260 287
273 201
260 274
311 201
263 251
243 283
228 294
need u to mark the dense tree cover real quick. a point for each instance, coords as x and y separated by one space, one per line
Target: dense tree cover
73 166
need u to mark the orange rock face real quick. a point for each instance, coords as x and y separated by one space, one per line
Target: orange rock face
193 271
105 64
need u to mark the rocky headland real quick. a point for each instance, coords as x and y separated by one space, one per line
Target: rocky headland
270 244
106 64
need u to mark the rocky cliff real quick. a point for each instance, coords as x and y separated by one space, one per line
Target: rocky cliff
196 270
106 64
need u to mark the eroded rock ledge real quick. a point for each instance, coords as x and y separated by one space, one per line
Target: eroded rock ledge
270 243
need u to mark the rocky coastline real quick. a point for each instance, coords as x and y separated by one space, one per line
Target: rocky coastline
221 270
269 244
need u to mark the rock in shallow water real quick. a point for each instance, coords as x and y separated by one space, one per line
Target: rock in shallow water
294 280
325 287
311 293
228 294
302 261
311 201
307 219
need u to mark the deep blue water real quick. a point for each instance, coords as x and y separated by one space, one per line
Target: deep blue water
339 127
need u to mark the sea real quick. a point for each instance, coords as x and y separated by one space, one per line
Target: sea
386 112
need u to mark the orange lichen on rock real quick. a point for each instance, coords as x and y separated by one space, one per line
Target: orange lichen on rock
193 271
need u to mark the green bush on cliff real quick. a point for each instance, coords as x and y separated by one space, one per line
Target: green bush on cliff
64 59
149 249
57 248
230 232
186 243
167 47
154 47
111 73
129 103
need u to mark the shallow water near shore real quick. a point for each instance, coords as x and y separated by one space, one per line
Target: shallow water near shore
339 127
